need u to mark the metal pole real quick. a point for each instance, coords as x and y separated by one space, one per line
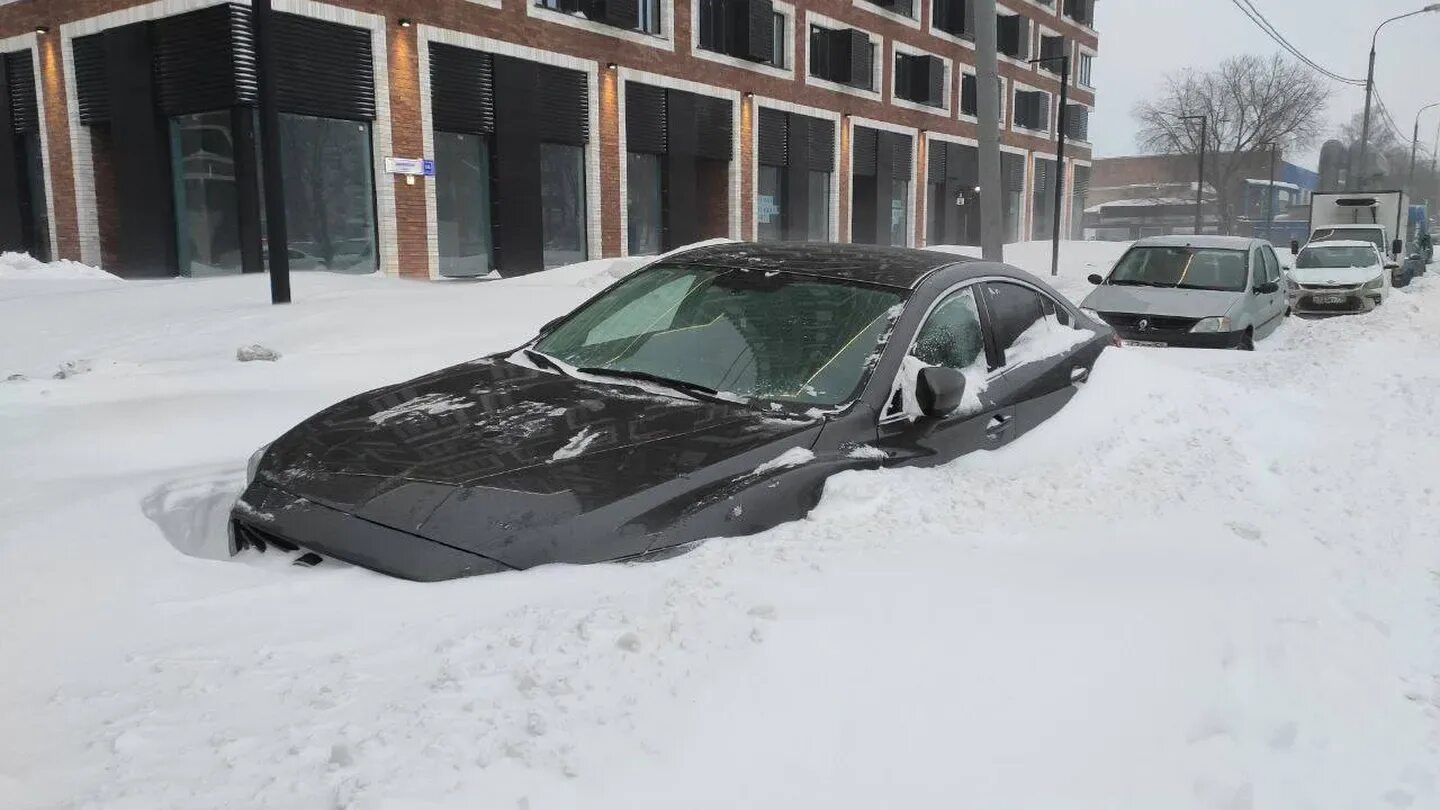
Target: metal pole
987 97
278 240
1270 200
1414 145
1060 121
1200 183
1365 120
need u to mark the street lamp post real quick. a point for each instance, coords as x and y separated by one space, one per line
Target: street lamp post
1200 178
1370 88
1270 198
1060 122
1414 145
277 239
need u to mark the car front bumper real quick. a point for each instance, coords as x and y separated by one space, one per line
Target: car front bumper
266 516
1184 340
1306 302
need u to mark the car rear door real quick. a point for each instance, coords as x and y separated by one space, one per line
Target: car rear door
1042 359
954 335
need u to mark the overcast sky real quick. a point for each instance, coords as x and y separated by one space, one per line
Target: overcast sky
1142 40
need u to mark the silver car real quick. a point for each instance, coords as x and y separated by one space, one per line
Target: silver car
1220 292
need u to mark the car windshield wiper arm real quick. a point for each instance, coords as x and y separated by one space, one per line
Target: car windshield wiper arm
702 391
543 359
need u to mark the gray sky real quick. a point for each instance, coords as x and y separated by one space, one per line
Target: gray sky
1142 40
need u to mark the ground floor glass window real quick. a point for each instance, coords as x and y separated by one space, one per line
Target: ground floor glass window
899 212
207 201
329 193
39 211
770 204
462 203
818 228
562 203
643 214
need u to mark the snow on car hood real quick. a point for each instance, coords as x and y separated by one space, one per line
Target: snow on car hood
1335 275
1161 301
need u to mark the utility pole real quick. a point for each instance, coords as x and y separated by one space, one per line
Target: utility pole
1060 121
1270 199
1370 91
277 239
987 97
1415 145
1200 177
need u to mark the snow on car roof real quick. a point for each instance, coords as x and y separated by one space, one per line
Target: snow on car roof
1331 243
1201 241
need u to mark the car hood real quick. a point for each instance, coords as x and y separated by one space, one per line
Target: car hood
1161 301
487 455
1335 275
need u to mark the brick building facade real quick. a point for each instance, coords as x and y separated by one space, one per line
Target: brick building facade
886 139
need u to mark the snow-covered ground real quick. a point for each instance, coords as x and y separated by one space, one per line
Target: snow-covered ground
1210 582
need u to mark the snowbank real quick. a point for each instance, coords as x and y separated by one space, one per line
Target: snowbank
23 266
1207 583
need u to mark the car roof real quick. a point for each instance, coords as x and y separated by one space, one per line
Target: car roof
1329 243
1200 241
902 268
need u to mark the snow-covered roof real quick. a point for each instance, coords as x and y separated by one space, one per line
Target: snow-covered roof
1278 183
1200 241
1329 243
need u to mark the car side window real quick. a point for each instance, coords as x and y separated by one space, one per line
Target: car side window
952 335
1272 264
1013 309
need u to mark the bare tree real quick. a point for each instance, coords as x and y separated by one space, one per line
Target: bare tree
1251 102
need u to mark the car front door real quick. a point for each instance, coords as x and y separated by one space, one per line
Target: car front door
1273 306
1034 377
954 335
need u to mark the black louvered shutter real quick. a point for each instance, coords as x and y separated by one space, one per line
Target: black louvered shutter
645 118
865 148
564 105
935 161
462 85
714 137
969 94
618 13
935 77
1077 122
902 164
953 17
1042 110
773 137
759 45
819 141
1022 33
855 61
323 68
1043 169
205 60
904 82
1012 166
91 89
963 165
18 71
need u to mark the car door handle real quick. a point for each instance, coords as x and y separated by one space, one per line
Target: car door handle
998 424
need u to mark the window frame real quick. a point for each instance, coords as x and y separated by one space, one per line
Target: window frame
664 39
778 7
911 20
813 20
947 71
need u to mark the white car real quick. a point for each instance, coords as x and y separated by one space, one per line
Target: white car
1336 277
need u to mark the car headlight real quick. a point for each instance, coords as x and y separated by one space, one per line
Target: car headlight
1375 283
253 465
1211 325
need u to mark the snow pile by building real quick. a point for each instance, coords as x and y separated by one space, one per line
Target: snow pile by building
1207 583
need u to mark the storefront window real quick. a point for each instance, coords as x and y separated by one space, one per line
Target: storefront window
769 204
207 207
329 197
39 212
819 208
462 203
562 203
899 212
643 215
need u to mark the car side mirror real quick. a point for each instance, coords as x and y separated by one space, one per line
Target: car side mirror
1294 247
1397 247
1391 265
1267 287
1095 278
938 391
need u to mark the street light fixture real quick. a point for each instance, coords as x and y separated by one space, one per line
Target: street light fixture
1200 177
1370 86
1060 122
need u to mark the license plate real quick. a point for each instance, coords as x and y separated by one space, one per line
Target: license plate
1152 344
1330 299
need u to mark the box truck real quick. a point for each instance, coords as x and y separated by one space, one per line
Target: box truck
1379 217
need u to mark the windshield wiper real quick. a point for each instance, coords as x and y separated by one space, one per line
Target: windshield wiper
1129 282
696 389
542 359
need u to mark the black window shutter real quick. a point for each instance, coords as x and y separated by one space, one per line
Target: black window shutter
1042 175
1013 168
18 71
858 58
774 136
711 12
205 60
1077 122
969 94
463 94
646 118
91 87
935 89
715 131
902 164
1007 34
1042 110
949 16
865 149
618 13
904 82
564 105
1022 33
760 30
323 68
935 161
820 141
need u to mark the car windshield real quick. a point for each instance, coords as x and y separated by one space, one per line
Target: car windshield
1338 256
1372 235
754 333
1182 266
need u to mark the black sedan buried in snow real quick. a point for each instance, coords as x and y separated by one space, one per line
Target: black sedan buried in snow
709 394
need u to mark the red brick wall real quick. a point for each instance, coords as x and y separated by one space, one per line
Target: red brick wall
407 138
